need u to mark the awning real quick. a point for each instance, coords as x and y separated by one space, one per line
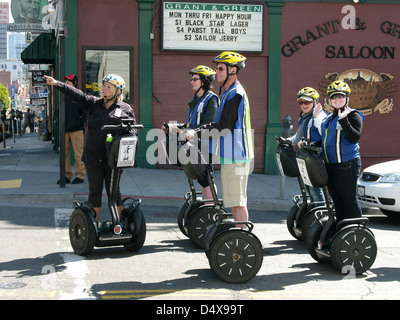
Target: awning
41 51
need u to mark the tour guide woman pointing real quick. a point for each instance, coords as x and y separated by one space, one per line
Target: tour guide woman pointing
100 111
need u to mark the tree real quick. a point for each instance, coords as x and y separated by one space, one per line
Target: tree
4 97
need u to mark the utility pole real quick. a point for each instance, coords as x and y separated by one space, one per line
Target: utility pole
61 67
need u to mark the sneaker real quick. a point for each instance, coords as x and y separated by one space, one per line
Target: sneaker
77 180
66 180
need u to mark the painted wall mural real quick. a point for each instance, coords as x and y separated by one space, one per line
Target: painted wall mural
370 92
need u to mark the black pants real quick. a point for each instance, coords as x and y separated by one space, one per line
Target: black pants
96 176
342 185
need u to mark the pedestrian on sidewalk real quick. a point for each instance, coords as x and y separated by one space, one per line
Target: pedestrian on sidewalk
74 120
107 110
28 121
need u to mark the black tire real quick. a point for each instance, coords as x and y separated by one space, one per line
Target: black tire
290 221
235 256
309 219
138 239
82 233
181 216
354 247
199 222
312 238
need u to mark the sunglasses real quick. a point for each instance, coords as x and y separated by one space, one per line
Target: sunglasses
194 79
337 96
305 102
220 69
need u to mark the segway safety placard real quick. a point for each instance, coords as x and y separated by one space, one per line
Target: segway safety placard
301 163
127 150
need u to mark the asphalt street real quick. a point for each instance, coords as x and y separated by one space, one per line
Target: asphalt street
37 263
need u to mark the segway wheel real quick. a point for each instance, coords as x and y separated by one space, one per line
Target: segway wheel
181 216
312 238
199 223
290 220
235 256
138 239
309 219
354 247
82 233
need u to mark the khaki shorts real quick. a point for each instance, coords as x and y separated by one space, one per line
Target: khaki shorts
234 179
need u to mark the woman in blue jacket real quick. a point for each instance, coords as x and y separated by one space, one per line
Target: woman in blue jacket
308 100
202 108
341 132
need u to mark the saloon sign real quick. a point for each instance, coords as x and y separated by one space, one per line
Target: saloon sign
343 52
370 92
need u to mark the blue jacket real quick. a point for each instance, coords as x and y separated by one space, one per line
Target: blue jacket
237 144
195 115
310 131
336 147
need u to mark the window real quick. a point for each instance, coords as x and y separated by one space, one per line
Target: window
98 62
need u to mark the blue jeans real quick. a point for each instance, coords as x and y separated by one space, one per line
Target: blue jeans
315 194
342 186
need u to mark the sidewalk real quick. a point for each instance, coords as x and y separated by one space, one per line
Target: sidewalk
30 169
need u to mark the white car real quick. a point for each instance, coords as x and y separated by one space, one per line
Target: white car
379 186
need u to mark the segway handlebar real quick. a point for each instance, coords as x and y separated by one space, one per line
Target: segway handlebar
283 141
125 124
309 147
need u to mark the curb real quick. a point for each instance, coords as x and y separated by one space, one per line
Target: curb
67 198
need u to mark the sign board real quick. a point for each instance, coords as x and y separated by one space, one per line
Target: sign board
127 152
38 78
38 92
43 93
212 26
29 16
301 163
4 12
38 102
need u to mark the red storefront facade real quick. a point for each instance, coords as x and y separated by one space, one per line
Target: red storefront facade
305 43
316 50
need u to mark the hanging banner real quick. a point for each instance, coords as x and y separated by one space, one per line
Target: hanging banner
212 26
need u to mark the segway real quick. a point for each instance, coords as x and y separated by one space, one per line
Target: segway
303 212
129 230
196 214
235 255
348 244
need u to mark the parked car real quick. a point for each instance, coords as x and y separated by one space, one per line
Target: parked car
379 186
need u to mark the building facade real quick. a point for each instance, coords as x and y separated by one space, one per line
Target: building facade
288 44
